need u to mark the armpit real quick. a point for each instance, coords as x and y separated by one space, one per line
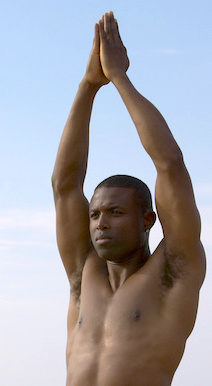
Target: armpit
173 269
75 282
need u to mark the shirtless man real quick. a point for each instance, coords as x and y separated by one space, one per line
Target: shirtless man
132 312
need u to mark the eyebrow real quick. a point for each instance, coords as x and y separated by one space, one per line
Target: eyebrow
109 207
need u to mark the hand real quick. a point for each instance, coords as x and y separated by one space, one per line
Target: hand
113 54
94 74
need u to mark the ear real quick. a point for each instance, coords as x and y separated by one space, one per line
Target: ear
149 220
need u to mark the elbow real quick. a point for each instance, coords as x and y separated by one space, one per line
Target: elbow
173 160
59 185
54 182
56 186
64 184
176 157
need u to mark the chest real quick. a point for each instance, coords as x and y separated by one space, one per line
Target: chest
125 314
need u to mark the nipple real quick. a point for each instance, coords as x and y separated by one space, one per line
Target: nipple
136 315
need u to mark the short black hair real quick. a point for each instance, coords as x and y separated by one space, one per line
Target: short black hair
142 192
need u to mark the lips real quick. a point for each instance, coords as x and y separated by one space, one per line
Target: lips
103 238
103 235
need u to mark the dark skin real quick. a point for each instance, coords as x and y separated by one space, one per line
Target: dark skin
130 312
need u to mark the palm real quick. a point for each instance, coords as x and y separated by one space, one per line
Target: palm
113 54
94 71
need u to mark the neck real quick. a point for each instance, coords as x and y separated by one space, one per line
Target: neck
119 272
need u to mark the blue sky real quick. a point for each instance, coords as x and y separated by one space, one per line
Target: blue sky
44 48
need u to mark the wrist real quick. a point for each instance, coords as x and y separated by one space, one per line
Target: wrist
90 86
119 78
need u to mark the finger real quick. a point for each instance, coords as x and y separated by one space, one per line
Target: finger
114 30
113 27
111 15
101 27
117 35
107 23
102 33
96 42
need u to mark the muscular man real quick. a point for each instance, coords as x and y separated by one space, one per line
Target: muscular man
130 311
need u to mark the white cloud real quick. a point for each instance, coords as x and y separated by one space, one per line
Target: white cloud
22 228
21 218
5 243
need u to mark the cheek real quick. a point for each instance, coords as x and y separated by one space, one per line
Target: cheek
135 230
91 229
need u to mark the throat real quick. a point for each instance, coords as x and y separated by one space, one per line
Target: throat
118 273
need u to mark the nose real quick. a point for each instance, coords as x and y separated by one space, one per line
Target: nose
102 222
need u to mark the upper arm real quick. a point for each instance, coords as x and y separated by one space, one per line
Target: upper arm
72 224
179 216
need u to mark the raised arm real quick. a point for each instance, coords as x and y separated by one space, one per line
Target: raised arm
175 201
70 169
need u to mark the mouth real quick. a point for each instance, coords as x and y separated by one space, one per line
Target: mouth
103 239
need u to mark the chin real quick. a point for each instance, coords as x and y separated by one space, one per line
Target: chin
113 258
105 255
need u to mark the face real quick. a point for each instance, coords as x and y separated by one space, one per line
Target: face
116 224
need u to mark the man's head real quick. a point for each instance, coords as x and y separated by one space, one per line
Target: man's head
120 216
142 193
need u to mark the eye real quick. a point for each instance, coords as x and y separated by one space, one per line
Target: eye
116 212
94 215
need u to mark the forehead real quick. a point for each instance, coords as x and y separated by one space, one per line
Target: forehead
104 197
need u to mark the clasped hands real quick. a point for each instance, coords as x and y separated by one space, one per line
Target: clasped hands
108 58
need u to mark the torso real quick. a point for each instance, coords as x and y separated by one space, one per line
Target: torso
133 337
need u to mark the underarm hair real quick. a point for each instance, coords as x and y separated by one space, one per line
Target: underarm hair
75 282
173 269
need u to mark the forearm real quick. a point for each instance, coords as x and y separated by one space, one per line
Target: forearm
71 162
152 129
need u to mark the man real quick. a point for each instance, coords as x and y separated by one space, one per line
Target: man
130 312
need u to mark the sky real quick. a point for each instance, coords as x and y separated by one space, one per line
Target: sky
44 49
